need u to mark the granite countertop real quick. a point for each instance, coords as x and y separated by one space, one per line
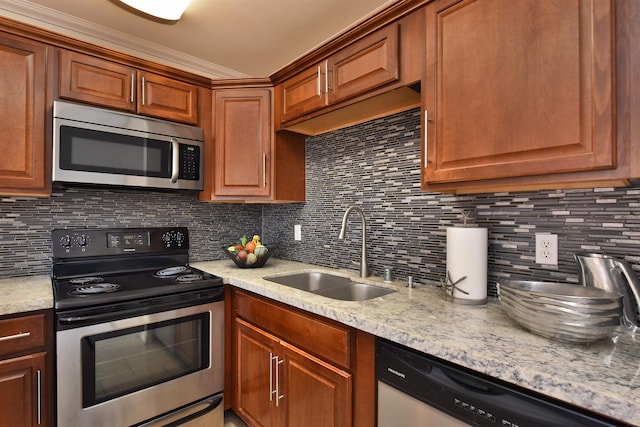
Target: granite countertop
28 293
603 376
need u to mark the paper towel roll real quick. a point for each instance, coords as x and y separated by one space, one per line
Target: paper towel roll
467 249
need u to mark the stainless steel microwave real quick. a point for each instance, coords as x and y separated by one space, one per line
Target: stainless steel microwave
97 146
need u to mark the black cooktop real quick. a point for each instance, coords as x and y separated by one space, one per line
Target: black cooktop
100 289
93 267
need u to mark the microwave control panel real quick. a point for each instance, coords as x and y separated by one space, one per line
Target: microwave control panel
189 162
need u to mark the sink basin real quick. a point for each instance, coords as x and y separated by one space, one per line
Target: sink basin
355 292
330 285
310 281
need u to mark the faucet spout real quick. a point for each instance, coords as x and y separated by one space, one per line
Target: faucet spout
364 268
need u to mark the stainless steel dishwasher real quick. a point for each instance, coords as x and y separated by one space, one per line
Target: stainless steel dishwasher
417 390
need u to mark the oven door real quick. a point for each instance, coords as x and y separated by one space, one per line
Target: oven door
123 372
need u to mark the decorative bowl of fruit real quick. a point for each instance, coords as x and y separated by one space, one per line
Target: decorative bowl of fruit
248 253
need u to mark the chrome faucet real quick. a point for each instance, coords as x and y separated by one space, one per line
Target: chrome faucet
364 268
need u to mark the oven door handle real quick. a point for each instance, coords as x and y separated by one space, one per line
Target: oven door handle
146 307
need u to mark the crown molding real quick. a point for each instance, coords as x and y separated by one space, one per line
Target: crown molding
90 32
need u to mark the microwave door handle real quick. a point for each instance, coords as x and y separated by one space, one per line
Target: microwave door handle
175 160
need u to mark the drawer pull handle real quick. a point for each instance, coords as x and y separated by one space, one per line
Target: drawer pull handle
16 336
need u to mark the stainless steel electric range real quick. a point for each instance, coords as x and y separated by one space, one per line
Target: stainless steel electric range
139 332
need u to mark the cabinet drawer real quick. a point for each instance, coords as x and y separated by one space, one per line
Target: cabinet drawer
22 333
319 337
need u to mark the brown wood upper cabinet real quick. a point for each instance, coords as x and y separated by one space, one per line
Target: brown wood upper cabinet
93 80
516 89
249 162
242 142
24 164
364 65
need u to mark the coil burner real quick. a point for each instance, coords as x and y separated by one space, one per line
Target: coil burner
188 278
171 271
94 288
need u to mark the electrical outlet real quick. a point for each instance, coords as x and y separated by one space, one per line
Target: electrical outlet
547 248
297 232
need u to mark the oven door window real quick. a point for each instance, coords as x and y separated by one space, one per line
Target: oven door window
92 150
124 361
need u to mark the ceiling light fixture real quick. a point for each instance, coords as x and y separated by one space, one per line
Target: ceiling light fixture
171 10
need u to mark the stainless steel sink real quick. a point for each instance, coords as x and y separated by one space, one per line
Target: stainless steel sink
330 285
355 292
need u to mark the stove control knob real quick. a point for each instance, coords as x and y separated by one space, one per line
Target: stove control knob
83 241
180 238
65 242
166 238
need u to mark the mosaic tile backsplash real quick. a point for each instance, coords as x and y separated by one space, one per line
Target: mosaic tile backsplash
26 223
374 165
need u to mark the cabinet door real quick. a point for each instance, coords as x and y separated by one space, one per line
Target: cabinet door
305 92
254 374
21 382
517 88
167 98
24 163
242 141
88 79
364 65
315 393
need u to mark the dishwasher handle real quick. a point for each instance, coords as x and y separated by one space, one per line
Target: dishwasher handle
466 383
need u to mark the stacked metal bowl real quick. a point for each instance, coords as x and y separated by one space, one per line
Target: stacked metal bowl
559 311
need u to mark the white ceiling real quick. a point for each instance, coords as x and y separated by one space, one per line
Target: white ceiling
215 38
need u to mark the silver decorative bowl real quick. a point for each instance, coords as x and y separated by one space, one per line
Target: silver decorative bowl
560 311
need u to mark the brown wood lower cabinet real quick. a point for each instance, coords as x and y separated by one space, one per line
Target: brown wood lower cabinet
280 385
292 368
21 390
25 370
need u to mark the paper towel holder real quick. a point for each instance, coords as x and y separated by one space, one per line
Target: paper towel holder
466 243
449 286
